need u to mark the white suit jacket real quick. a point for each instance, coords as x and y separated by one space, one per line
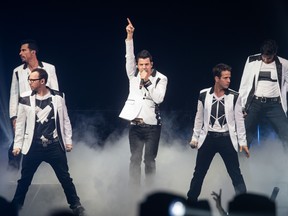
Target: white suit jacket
250 76
20 84
26 118
146 99
233 115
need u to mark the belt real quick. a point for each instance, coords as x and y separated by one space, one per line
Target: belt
218 134
44 143
140 122
267 99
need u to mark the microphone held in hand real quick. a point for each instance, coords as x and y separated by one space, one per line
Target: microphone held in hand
141 83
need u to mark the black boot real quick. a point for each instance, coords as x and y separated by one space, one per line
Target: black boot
78 211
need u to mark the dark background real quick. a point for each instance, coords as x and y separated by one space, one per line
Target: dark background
85 41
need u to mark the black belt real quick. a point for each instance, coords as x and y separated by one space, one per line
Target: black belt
267 99
137 121
140 122
44 143
218 134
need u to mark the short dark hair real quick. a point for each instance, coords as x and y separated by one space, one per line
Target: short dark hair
32 44
42 73
252 204
269 47
219 68
144 54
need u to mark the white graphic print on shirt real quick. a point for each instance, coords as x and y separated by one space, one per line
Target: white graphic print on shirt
217 118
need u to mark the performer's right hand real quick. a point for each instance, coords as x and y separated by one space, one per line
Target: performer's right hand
245 114
193 144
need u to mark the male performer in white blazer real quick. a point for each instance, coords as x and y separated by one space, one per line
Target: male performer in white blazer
43 133
218 128
147 88
28 54
263 90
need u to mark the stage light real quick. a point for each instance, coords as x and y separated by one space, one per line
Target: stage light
177 208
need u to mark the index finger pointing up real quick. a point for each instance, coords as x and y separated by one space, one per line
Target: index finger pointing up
130 23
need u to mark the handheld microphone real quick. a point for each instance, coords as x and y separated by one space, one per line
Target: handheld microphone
141 83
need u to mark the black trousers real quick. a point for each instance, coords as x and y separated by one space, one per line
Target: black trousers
271 111
56 157
205 155
140 136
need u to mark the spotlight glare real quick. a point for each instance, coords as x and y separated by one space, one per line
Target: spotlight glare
177 209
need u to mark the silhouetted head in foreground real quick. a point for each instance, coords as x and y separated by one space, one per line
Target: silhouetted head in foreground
252 204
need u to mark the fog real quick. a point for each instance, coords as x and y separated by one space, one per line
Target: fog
102 183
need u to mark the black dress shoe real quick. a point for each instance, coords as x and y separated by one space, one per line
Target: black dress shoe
191 202
78 211
15 205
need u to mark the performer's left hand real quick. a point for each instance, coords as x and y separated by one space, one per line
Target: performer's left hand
68 147
246 149
16 151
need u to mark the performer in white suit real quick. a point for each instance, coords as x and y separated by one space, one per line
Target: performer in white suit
218 128
147 88
43 133
263 90
28 54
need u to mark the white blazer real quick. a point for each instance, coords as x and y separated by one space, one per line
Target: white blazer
25 122
147 99
251 73
20 84
233 115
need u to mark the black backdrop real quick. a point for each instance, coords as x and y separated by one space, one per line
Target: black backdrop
86 44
